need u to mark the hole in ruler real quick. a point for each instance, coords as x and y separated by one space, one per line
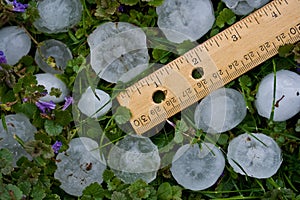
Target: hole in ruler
197 73
159 96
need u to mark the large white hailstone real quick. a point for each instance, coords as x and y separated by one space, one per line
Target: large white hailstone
50 81
256 154
94 104
185 19
117 48
79 166
220 111
244 7
134 157
56 50
15 43
197 168
287 97
57 16
17 124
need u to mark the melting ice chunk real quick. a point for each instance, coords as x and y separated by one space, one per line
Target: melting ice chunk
20 125
50 81
15 43
117 48
94 104
256 154
185 19
133 158
197 168
52 56
79 166
220 111
287 98
244 7
57 15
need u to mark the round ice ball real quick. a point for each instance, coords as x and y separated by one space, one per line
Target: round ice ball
185 19
15 43
52 51
220 111
50 81
79 166
134 157
256 154
57 16
197 168
94 104
287 97
244 7
20 125
117 48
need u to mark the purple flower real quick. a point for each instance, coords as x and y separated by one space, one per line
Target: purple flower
56 146
45 106
2 58
68 102
18 7
121 8
25 99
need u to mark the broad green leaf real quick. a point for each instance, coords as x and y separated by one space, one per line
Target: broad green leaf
176 192
118 196
52 128
122 115
181 127
164 191
6 159
14 192
226 16
129 2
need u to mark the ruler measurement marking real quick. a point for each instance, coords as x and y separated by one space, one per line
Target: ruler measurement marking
245 59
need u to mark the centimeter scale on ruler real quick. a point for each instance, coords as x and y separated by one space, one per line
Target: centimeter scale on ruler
219 60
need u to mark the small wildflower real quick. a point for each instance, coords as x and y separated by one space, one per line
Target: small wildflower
56 146
25 99
68 102
121 8
2 58
17 7
45 106
171 123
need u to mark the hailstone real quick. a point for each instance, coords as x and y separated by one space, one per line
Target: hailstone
49 81
185 19
79 166
256 154
117 48
134 157
220 111
17 124
197 168
287 98
244 7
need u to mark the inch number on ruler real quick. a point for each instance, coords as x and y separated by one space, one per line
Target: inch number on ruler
219 60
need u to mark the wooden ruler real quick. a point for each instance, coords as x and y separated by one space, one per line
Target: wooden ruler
212 64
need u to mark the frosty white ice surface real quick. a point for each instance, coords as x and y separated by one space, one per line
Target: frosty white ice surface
244 7
50 81
94 104
117 48
287 98
79 166
133 158
58 15
185 19
20 125
220 111
197 168
258 155
56 50
132 73
15 43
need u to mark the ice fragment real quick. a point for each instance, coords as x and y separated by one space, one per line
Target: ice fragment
244 7
52 56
